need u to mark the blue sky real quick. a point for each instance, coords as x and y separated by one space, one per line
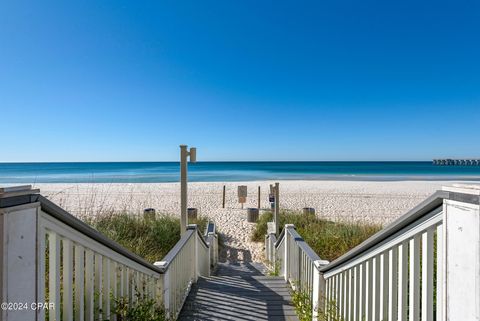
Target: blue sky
241 80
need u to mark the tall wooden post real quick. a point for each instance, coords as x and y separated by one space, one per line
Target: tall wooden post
276 215
183 184
183 188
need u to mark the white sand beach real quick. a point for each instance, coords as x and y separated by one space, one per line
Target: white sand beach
374 201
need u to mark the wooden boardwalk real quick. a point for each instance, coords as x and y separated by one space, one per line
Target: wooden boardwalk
239 292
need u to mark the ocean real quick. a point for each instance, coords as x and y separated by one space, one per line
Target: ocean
156 172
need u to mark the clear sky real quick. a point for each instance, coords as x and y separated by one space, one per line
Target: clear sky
114 80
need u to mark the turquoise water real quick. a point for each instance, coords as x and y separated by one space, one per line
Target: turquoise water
153 172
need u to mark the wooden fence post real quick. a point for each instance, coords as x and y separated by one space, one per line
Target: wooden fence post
223 197
461 231
258 204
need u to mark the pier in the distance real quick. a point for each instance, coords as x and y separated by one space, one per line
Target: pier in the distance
457 162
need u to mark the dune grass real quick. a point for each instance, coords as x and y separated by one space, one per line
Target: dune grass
327 238
151 239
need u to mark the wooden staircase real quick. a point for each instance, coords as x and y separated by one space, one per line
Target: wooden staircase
239 292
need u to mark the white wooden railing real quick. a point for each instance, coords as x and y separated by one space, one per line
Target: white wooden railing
394 279
300 261
411 270
297 263
190 258
86 272
77 262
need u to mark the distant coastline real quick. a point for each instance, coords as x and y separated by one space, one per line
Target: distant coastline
163 172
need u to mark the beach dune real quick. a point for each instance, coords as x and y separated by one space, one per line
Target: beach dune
372 201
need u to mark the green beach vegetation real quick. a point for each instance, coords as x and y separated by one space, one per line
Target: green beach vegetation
329 239
149 238
140 310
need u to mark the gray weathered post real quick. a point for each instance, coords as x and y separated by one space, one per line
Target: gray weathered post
277 209
183 184
461 240
183 188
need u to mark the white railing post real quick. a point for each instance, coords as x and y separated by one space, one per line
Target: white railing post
461 295
287 237
267 248
19 253
216 250
196 258
166 286
271 249
318 297
211 252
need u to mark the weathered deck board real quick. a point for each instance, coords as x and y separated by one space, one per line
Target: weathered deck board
239 292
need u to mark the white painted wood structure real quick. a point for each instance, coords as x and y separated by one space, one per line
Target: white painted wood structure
424 266
85 270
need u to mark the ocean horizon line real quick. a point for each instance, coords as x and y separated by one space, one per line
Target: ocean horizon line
229 161
157 172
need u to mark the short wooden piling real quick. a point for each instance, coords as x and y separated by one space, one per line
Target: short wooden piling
149 213
308 211
192 213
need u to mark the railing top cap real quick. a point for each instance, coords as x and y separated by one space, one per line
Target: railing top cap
11 191
15 188
320 263
463 188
